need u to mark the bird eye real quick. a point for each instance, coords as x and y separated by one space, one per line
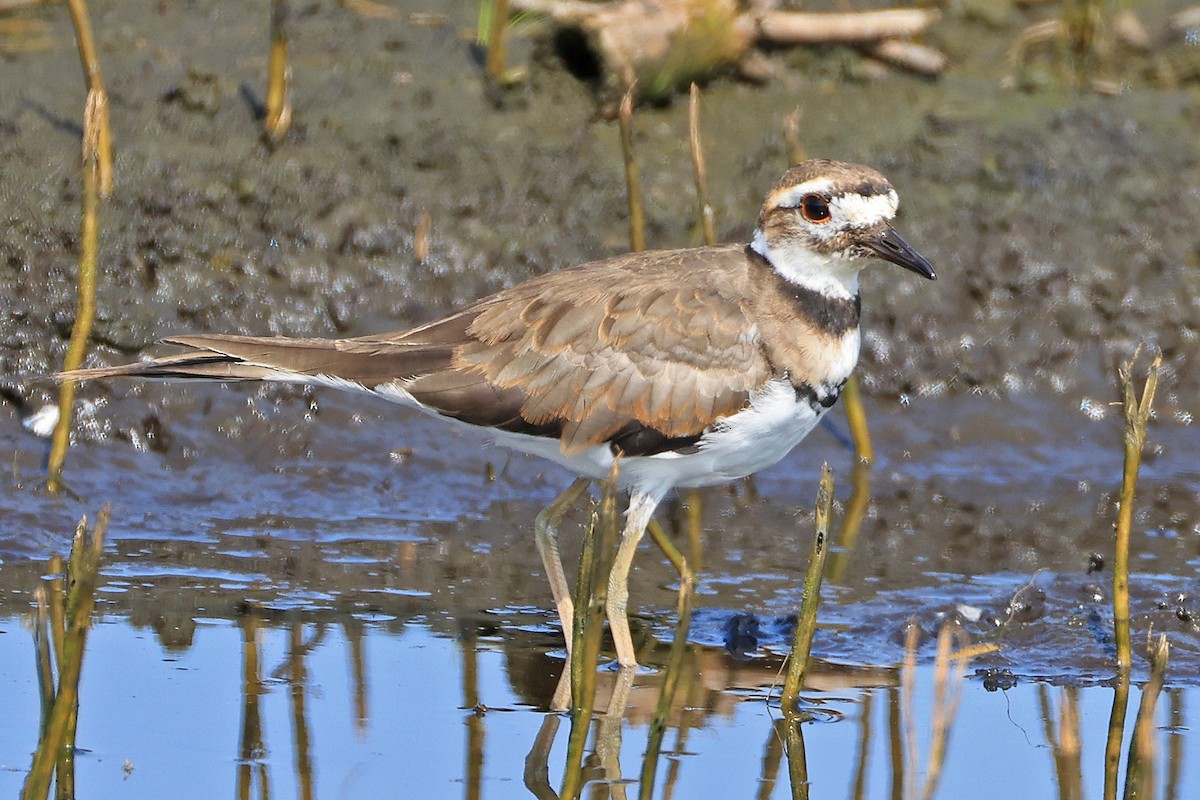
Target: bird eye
814 208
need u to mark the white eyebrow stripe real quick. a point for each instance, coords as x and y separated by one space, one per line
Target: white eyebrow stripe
851 209
791 196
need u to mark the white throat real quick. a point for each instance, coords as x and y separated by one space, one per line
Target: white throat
832 275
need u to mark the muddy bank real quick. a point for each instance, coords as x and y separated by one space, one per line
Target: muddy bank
1063 224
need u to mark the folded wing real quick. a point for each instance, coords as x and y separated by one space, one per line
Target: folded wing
637 351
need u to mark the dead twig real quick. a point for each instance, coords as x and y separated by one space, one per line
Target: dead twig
911 56
858 27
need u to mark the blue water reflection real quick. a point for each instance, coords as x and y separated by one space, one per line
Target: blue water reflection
360 710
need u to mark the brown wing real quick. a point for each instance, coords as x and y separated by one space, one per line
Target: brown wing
647 349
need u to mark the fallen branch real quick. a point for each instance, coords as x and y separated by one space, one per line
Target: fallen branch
860 27
7 6
911 56
1184 20
664 45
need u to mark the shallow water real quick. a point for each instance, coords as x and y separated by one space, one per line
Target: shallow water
404 592
374 707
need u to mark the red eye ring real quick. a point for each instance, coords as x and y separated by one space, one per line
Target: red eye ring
814 208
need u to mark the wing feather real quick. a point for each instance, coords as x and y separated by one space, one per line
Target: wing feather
646 350
661 346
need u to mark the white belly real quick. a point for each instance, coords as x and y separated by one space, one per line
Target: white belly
743 444
737 446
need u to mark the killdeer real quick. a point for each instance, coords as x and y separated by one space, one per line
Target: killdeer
695 366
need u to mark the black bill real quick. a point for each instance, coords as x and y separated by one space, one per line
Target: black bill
890 246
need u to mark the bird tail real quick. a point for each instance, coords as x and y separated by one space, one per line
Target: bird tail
364 361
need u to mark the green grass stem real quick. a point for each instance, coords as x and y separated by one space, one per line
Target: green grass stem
278 106
497 40
85 297
1139 766
806 625
94 79
591 595
1137 415
1116 731
856 415
57 745
675 666
797 758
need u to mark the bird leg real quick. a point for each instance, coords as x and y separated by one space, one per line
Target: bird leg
641 508
546 532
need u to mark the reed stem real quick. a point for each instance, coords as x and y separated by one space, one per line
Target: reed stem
1137 415
947 691
806 625
707 218
497 46
95 120
1116 731
856 415
56 747
674 668
1139 769
797 758
633 181
791 137
591 593
279 106
94 80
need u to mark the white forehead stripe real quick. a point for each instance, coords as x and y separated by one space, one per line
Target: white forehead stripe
861 211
